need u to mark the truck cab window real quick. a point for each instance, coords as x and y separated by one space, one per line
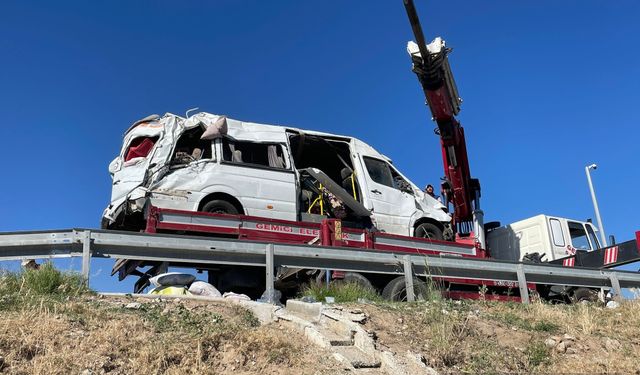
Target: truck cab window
379 171
260 154
578 236
593 237
556 232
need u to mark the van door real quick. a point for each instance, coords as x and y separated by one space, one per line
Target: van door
391 201
263 176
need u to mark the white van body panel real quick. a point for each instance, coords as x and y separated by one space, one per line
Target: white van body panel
265 192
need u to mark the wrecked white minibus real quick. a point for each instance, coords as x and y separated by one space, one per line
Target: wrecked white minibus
216 164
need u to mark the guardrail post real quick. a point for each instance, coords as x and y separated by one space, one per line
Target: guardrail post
269 273
408 278
86 255
615 284
522 284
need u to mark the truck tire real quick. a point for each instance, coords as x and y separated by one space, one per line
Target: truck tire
355 278
396 290
488 227
584 295
428 230
220 206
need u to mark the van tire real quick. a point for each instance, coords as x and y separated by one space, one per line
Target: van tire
428 230
396 290
220 206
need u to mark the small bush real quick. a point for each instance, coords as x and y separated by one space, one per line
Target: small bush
45 282
537 354
545 327
342 292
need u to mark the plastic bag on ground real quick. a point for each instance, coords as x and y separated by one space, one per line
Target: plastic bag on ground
170 291
276 295
201 288
239 297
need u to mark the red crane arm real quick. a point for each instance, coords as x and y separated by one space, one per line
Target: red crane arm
431 65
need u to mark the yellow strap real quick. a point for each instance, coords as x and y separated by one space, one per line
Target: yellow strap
316 201
353 184
321 201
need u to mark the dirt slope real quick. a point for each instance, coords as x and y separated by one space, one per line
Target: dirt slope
477 337
91 335
98 336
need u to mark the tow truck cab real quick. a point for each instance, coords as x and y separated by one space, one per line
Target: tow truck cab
549 236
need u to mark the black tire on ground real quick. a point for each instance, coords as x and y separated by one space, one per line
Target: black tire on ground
220 206
355 278
584 295
428 230
396 290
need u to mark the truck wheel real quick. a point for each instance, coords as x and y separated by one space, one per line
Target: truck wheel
355 278
428 230
584 295
396 290
220 206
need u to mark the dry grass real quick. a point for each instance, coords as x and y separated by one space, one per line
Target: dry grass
99 336
52 325
487 337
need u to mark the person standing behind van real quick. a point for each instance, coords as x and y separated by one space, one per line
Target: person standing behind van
429 190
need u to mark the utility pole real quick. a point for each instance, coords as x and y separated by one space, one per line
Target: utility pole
603 236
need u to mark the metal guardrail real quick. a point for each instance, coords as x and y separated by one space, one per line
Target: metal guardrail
87 243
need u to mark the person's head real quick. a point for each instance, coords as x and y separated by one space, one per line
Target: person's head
429 189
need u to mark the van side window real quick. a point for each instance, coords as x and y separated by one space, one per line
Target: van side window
593 237
556 232
260 154
190 147
578 236
379 171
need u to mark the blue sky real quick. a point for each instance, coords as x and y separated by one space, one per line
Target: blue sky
548 88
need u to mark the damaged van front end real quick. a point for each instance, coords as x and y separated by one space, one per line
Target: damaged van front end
146 148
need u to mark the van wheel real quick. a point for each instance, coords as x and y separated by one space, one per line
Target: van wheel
428 230
220 206
396 290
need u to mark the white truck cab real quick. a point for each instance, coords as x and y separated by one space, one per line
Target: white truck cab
549 236
215 164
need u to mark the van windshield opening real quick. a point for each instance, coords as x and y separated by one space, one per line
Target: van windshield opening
140 147
191 148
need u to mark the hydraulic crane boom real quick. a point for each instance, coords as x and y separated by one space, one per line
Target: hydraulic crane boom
431 65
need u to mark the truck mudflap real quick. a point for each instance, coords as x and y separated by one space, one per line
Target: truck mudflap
606 257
